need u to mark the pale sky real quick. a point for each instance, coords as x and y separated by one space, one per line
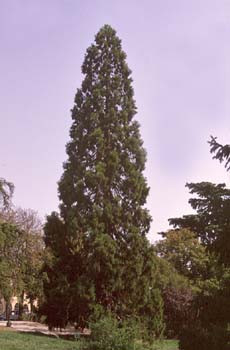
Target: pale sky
179 54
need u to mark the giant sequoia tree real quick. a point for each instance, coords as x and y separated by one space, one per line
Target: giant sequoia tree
98 244
103 186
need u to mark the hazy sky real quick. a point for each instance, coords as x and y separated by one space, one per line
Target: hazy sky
179 53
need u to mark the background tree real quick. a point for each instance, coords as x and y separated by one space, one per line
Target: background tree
21 228
183 262
211 224
11 263
202 276
182 249
32 252
103 222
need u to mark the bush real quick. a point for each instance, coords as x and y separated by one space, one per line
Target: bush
214 338
109 334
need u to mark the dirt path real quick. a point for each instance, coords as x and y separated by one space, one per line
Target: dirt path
35 327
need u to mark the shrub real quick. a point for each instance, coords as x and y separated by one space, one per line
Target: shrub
110 334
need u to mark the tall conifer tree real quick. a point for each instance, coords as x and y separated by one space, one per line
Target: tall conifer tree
103 182
102 191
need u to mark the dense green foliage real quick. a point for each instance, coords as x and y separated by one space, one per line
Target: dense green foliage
211 228
11 262
108 334
182 249
212 222
99 257
186 261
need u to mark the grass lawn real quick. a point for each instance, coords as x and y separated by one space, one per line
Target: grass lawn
12 340
165 345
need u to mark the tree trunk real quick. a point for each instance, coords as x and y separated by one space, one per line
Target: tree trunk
21 303
8 312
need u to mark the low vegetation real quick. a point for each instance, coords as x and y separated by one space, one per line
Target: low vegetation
12 340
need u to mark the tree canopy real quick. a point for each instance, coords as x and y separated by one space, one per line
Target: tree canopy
221 152
21 250
211 223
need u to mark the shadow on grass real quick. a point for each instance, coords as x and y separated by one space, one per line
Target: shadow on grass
72 337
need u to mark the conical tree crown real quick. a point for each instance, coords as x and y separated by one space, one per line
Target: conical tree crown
103 188
101 252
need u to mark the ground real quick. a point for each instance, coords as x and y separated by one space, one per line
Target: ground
33 327
35 336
